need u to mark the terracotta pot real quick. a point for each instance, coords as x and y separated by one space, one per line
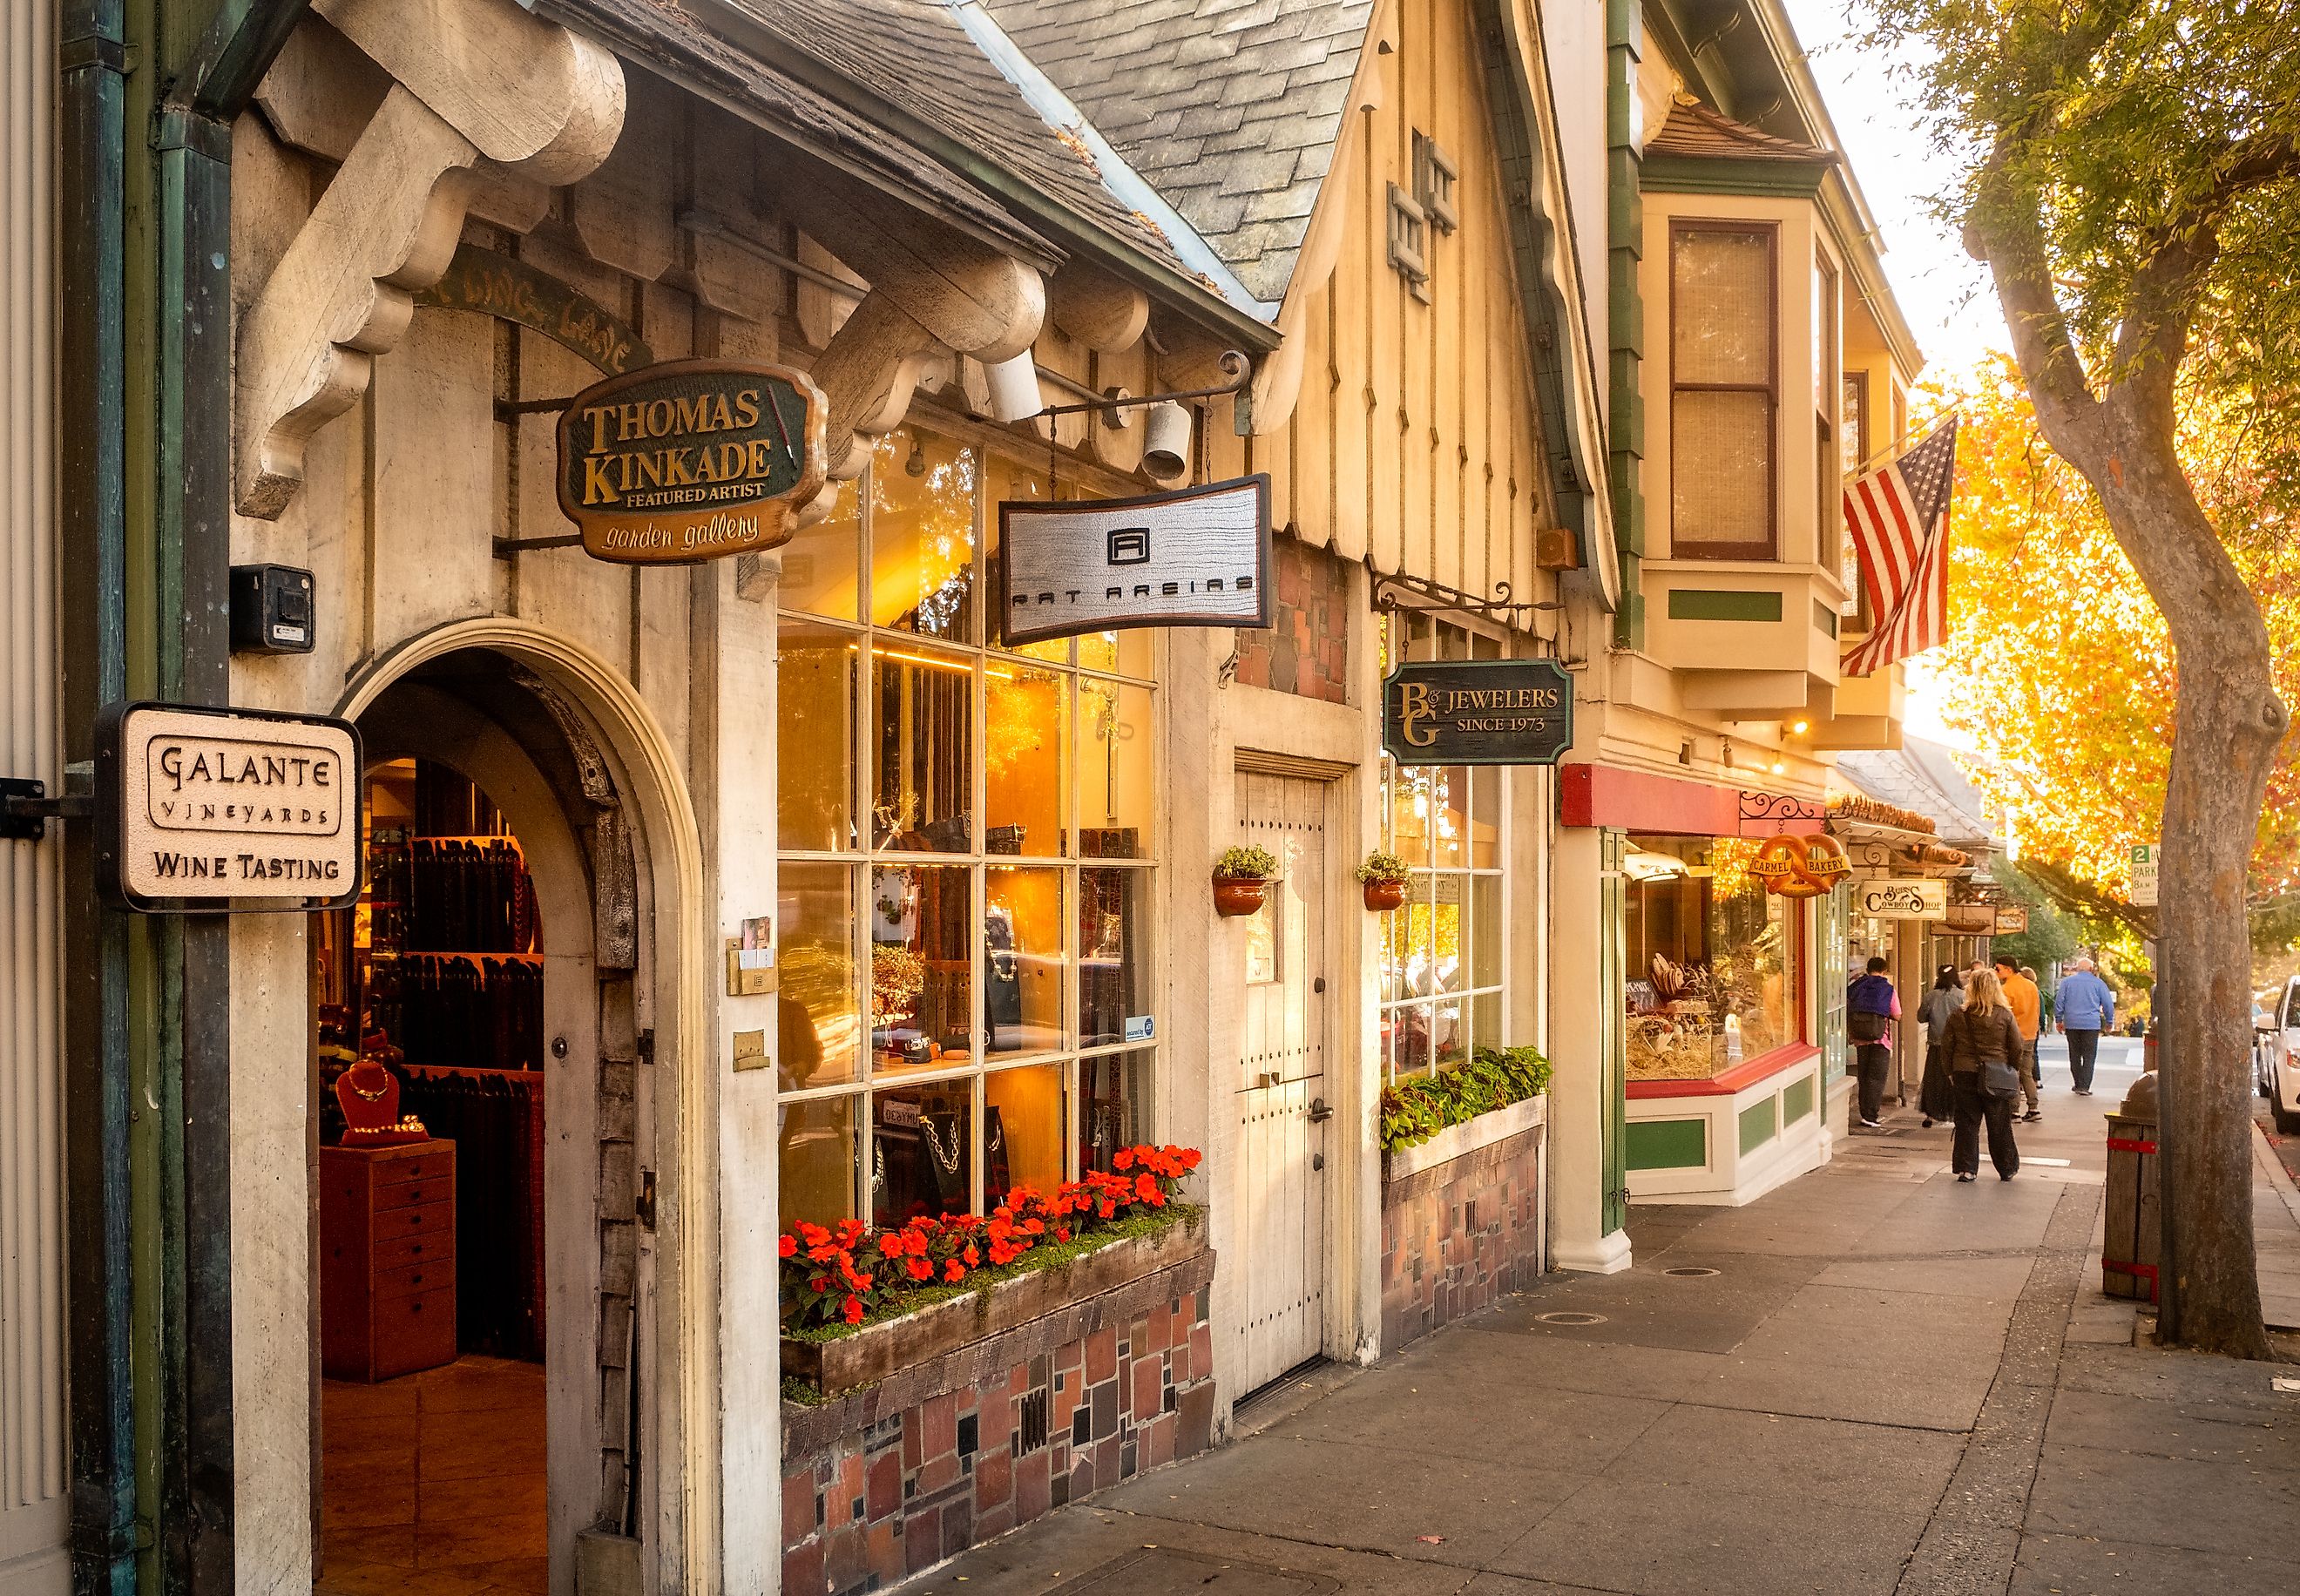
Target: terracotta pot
1238 894
1384 895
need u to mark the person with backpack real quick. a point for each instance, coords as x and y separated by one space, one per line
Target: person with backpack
1870 1008
1985 1046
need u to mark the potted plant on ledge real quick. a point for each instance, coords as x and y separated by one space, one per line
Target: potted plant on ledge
1242 878
1383 875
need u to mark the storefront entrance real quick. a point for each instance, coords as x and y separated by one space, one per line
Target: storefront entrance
1283 1091
478 1102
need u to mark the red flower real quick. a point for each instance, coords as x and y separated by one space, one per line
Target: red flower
920 1270
954 1271
972 1256
854 1311
1123 1158
790 1246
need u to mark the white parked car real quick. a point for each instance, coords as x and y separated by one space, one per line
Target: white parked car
2276 1057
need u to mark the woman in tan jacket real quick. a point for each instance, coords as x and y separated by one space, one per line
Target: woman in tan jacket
1984 1047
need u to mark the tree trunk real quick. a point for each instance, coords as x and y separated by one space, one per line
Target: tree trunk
2229 724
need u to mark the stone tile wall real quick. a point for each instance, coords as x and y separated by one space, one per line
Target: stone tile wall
883 1483
1307 652
1458 1236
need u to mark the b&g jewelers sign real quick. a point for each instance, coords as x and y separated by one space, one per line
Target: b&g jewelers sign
202 811
1478 712
689 460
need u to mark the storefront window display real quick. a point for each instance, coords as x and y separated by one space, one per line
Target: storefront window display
966 846
1444 951
1715 963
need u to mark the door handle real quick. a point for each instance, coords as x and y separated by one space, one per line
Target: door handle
1319 1111
1319 985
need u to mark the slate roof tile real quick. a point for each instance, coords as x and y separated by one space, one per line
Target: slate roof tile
1151 79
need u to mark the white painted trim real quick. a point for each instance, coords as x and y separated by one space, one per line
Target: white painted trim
1728 1177
1459 1140
1608 1255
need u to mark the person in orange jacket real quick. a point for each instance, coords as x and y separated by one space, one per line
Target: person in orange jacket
2028 1006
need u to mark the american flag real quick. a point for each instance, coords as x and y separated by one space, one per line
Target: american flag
1898 516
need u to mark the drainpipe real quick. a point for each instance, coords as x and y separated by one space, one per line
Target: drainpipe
92 632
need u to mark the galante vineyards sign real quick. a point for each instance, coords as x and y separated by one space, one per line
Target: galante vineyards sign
207 810
688 460
1195 557
1478 712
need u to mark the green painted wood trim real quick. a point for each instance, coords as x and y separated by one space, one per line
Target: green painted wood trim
1763 180
1625 308
1714 603
1797 1099
1758 1126
1824 618
1668 1144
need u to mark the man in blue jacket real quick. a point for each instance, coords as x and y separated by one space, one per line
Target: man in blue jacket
2083 1008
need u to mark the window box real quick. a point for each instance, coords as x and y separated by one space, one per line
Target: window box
834 1363
1459 1140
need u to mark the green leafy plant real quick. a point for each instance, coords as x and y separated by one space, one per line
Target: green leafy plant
1248 862
1416 1108
1379 866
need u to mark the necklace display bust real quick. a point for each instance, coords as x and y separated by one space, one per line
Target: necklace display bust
368 1093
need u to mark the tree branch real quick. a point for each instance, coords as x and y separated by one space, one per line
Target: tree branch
2072 893
2006 233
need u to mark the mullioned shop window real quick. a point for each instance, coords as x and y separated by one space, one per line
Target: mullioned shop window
966 842
1443 954
1714 961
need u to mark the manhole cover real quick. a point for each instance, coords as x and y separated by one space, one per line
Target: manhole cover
1690 1271
1569 1319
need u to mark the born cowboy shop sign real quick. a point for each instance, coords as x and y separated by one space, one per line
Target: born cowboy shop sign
689 460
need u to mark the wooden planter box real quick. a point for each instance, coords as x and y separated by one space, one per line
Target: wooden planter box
877 1350
1458 1141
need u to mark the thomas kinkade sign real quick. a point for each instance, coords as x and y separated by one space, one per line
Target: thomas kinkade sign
1478 712
1195 557
202 809
690 461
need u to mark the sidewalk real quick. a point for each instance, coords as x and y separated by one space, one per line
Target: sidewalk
1890 1383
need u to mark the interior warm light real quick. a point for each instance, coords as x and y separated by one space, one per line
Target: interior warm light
1778 767
1797 728
1644 864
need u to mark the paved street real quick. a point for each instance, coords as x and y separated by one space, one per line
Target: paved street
1874 1380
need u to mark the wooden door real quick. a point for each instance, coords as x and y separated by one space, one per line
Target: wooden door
1281 1091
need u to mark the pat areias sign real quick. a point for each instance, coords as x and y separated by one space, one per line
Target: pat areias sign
1478 712
206 810
1195 557
688 460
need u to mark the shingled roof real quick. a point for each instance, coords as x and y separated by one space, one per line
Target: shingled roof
1694 129
1229 108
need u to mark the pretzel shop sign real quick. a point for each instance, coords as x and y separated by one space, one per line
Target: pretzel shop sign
688 460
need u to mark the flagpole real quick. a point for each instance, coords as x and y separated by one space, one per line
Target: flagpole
1889 450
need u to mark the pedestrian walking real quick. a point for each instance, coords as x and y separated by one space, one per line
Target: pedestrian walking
1984 1041
1937 1095
2028 1005
2083 1007
1870 1008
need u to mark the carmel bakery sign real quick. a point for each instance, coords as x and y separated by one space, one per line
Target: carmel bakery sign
1478 712
688 460
207 810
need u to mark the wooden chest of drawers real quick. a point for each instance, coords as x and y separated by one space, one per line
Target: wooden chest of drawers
386 1259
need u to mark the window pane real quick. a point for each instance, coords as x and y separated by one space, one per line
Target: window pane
823 563
925 751
1449 804
1125 653
1485 816
1010 479
1114 949
1022 961
814 743
1027 726
1484 931
1720 469
922 1158
818 1142
1485 1020
1410 1037
1023 1121
1451 1036
1114 789
1446 969
1410 791
819 1027
921 1001
1396 923
1113 1106
923 535
1722 306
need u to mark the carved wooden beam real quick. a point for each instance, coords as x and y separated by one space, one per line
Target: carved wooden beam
478 86
868 373
1100 312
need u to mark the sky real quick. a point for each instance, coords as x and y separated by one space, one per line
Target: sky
1942 290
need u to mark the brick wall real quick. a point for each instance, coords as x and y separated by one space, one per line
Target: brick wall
1308 652
1459 1235
882 1483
